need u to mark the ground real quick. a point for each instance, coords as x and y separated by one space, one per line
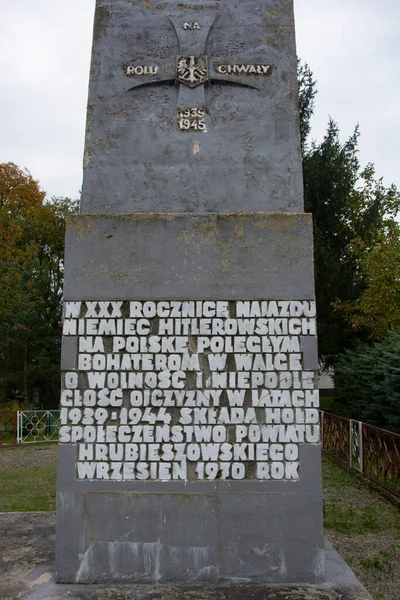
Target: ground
28 477
363 526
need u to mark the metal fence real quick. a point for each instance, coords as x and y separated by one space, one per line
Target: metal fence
373 452
37 426
29 426
369 450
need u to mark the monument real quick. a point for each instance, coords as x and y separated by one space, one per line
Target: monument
189 446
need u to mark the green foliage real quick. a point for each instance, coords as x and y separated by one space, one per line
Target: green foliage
330 174
357 270
31 278
307 93
352 215
367 381
377 309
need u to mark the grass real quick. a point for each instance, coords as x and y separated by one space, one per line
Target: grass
381 565
351 507
30 490
365 530
350 520
28 478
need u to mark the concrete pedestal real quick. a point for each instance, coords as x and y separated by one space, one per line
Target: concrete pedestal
190 531
30 574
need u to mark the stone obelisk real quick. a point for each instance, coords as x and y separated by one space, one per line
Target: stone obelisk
189 446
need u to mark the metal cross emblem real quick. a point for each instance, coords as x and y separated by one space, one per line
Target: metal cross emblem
192 70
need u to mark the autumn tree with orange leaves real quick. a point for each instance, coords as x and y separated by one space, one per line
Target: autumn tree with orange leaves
31 278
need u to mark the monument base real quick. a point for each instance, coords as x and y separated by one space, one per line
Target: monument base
28 573
256 528
237 535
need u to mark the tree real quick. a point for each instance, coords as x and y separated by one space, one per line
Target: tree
307 93
21 203
367 381
377 309
350 209
31 278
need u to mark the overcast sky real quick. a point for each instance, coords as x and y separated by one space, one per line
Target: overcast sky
353 47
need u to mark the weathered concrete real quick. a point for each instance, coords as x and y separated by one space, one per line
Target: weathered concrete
182 256
28 573
205 207
143 531
149 531
137 160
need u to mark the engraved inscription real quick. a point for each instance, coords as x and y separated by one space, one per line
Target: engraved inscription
196 70
191 25
189 390
242 69
139 70
192 119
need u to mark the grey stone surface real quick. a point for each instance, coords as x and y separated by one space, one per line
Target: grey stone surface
138 160
189 257
152 538
169 214
309 347
310 484
149 531
69 353
28 573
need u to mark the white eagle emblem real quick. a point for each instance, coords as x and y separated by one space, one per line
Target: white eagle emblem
192 70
